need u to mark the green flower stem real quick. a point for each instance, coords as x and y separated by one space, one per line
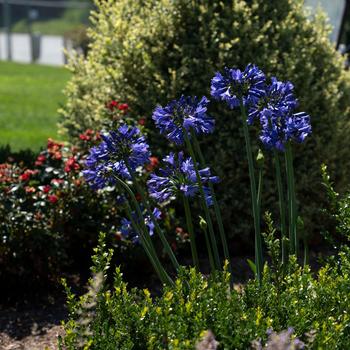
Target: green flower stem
145 238
203 226
148 247
282 208
159 231
205 206
256 213
260 178
191 232
292 201
216 205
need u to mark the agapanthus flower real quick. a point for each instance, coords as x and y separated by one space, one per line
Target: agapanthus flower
235 86
186 113
119 151
279 97
179 177
279 128
128 231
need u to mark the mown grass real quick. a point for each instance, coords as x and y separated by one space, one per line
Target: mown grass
72 18
29 98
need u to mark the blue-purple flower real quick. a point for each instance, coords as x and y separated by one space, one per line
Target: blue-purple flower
275 111
128 231
120 151
279 128
235 86
179 177
184 114
279 97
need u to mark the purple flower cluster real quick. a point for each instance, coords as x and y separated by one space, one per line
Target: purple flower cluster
273 105
234 86
179 177
279 123
183 114
279 96
119 151
128 231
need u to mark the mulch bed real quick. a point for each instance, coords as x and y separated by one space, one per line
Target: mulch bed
31 327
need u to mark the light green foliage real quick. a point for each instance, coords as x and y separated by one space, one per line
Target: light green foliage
149 52
132 319
30 95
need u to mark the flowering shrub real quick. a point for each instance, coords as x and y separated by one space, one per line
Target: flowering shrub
49 216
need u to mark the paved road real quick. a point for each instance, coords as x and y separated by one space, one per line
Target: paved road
51 51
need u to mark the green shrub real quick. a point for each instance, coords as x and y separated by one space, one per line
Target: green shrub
147 53
116 317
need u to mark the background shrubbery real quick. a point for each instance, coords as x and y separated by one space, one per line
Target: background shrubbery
150 53
49 217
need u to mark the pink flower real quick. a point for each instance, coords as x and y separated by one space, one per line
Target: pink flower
52 198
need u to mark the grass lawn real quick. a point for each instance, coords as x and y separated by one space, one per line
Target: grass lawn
29 98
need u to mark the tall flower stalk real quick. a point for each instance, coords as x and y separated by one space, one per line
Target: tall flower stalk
204 204
280 126
215 203
241 90
144 234
281 201
254 197
159 231
180 178
189 224
292 206
180 121
112 162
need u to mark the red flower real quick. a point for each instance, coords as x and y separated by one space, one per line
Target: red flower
70 165
142 121
46 188
27 174
84 137
40 160
123 107
87 135
112 105
52 198
153 163
53 144
57 155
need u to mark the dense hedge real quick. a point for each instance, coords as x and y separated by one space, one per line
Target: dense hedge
149 52
116 317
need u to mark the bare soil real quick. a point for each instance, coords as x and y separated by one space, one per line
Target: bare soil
31 328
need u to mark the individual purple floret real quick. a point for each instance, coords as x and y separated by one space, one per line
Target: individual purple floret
186 113
119 150
179 177
234 86
128 231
